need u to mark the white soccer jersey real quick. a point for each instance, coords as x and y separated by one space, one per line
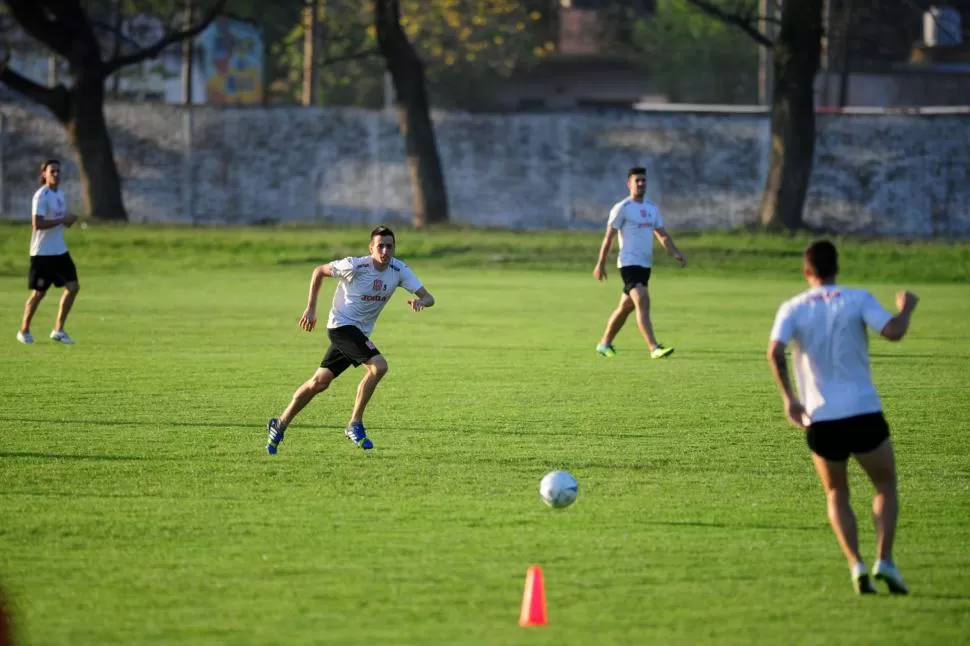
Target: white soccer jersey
363 291
831 349
635 222
48 203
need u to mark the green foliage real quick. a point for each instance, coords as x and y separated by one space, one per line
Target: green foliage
466 45
695 59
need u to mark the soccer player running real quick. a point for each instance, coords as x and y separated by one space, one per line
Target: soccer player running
365 285
637 220
839 406
50 262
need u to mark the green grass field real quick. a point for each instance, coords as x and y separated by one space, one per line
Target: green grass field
138 506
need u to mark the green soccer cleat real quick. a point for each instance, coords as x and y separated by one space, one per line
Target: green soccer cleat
606 349
661 352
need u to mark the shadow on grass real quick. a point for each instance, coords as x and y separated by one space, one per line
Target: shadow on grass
33 455
942 597
256 425
710 524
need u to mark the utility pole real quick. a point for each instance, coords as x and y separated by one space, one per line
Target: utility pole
766 9
188 54
310 51
846 54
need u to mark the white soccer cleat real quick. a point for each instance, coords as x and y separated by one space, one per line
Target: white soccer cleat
61 337
25 337
886 572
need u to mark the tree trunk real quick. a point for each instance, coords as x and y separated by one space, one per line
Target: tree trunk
87 133
310 37
796 62
414 118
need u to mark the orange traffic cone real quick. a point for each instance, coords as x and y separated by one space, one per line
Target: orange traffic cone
533 599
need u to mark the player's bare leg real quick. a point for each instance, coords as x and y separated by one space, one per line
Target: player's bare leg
880 466
30 308
614 325
315 385
641 301
835 481
376 369
67 301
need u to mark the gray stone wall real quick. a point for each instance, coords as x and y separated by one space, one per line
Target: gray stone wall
887 175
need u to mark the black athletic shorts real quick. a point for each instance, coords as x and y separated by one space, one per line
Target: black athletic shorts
634 275
348 347
836 439
51 270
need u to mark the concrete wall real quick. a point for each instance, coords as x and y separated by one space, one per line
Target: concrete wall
890 175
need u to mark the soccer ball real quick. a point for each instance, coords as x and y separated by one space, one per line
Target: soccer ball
558 489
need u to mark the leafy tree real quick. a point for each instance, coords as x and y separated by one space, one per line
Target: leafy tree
71 30
467 46
796 50
421 148
689 57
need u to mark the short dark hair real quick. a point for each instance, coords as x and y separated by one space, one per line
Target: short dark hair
636 170
382 231
44 166
822 258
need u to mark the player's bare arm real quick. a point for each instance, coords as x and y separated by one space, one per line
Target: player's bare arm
897 326
668 243
424 299
779 368
599 271
309 319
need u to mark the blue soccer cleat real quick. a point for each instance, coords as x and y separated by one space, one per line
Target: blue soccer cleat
275 436
355 433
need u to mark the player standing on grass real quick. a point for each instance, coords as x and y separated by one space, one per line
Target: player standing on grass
50 262
366 284
840 408
637 220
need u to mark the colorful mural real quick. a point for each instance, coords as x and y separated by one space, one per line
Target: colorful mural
232 62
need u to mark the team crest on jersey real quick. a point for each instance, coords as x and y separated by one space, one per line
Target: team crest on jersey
378 285
643 213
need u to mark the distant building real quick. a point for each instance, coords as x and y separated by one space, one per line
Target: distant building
580 73
894 53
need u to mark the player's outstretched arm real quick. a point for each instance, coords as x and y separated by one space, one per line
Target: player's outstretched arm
898 325
424 299
668 243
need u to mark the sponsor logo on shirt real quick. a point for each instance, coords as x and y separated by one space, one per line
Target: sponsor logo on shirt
825 296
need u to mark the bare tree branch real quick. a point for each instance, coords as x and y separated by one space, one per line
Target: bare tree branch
54 99
42 25
352 56
739 20
118 33
152 51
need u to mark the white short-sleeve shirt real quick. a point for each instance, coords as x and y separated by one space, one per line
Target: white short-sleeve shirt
363 290
50 204
827 327
635 222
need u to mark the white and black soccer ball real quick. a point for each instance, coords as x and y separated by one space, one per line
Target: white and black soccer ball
558 489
